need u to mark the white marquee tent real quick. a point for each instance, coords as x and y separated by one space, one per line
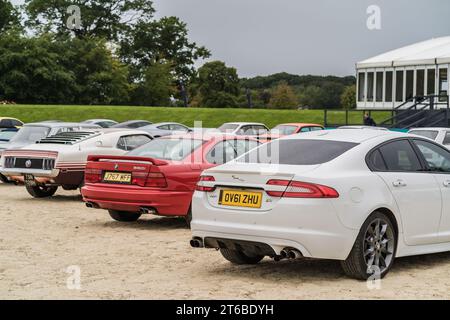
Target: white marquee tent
392 78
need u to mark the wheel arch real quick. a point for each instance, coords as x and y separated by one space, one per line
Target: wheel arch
392 217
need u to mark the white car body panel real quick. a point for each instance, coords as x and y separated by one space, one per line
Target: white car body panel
69 158
328 228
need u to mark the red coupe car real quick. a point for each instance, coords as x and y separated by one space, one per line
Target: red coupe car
159 177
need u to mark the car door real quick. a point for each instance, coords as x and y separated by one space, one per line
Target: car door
437 159
416 192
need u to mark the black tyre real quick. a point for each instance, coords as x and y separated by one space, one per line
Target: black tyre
373 253
41 191
188 218
3 179
240 257
124 216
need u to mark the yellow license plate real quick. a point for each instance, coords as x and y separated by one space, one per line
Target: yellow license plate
118 177
240 198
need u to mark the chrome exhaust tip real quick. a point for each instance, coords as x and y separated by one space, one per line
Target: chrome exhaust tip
294 254
196 243
89 205
284 253
147 211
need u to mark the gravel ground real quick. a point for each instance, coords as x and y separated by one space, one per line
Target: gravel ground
152 259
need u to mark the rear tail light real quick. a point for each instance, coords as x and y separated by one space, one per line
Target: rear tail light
92 175
156 180
297 189
201 187
152 179
279 183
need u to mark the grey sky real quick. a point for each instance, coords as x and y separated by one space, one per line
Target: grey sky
261 37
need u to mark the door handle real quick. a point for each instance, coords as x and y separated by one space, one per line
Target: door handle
447 183
399 183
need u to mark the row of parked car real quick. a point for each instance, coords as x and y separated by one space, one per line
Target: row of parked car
360 195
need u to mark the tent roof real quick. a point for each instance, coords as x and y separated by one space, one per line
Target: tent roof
434 51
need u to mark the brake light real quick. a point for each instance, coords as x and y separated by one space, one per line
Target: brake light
297 189
156 180
92 175
202 188
279 183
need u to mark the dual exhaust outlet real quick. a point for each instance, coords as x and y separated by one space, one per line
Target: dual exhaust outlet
92 205
290 253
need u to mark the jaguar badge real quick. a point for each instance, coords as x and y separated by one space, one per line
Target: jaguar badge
28 164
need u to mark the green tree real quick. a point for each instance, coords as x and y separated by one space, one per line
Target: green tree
348 98
49 69
161 41
283 97
8 15
32 70
157 87
217 85
312 97
107 19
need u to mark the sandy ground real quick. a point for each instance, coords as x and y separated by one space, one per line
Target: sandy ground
151 259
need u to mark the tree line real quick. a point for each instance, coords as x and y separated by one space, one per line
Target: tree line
121 54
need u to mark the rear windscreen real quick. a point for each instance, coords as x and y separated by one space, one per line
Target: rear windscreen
431 134
298 152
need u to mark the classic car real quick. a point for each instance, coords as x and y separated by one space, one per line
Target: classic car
32 132
159 177
287 129
60 160
244 128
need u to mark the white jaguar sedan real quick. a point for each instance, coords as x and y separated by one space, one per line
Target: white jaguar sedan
360 196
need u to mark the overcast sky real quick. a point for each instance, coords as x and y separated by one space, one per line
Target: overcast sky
261 37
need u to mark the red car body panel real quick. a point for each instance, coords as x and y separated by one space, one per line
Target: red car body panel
172 200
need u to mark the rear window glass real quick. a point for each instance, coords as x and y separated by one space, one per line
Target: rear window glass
228 127
431 134
167 149
298 152
400 156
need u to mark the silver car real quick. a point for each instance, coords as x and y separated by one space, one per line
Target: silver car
163 129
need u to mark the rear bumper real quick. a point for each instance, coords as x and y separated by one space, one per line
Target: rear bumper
308 225
131 199
55 176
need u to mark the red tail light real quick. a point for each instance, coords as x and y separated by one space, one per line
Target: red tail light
297 189
156 180
205 179
92 175
280 183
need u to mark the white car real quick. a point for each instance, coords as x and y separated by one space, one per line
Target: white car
244 128
60 160
362 197
440 135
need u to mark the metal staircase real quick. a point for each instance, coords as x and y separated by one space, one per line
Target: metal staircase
423 111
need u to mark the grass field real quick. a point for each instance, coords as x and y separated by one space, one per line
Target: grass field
211 118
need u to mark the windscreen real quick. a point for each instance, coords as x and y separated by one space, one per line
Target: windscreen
31 134
175 149
228 128
431 134
284 130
